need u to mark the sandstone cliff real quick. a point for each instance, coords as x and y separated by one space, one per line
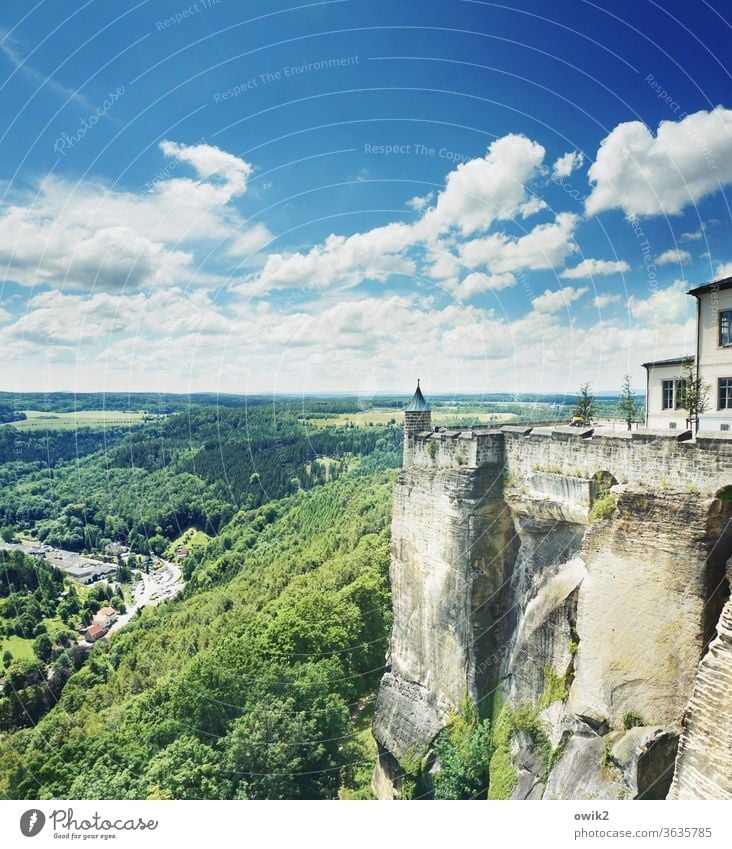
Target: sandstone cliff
574 612
704 761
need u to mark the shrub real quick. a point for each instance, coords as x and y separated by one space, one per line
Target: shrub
603 508
632 720
555 689
460 460
464 749
432 449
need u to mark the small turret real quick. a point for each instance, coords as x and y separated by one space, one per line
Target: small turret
417 417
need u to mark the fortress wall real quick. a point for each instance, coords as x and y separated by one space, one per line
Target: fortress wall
640 458
468 450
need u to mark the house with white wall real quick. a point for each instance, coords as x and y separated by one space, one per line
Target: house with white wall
712 362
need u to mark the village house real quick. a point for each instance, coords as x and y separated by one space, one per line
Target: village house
94 632
711 361
105 617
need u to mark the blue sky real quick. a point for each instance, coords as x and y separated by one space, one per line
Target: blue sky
341 196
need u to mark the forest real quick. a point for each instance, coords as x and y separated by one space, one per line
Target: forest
258 680
80 490
257 684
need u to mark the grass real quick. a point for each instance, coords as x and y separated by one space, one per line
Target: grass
375 417
191 538
555 688
98 419
20 648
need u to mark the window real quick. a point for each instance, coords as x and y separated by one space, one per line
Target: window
725 393
680 399
725 327
724 427
667 394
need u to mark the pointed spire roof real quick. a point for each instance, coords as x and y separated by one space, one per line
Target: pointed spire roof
417 404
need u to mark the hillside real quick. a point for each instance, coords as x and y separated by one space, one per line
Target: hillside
253 685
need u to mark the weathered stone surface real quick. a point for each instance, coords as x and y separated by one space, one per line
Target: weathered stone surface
641 608
529 768
704 761
452 548
407 715
517 587
622 765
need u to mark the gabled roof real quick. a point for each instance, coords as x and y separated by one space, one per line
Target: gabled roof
674 361
417 404
715 285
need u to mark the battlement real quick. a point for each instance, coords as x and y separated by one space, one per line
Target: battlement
658 459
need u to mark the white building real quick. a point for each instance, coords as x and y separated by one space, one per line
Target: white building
712 362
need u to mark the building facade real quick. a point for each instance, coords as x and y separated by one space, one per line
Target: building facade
711 361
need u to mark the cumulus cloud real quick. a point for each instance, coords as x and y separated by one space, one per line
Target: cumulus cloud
481 191
476 283
568 163
724 269
669 305
477 194
649 175
694 236
419 202
546 246
595 268
673 256
551 302
604 300
342 260
89 236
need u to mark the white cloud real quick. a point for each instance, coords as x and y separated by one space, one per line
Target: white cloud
594 268
670 305
724 269
418 203
89 236
692 237
659 175
564 166
546 246
551 302
673 256
476 283
476 194
533 205
602 301
341 260
482 191
209 161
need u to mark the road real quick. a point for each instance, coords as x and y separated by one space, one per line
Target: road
164 582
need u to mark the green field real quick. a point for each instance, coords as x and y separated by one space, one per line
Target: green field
20 649
449 416
98 419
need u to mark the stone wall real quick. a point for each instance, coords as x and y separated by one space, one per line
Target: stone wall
502 576
644 458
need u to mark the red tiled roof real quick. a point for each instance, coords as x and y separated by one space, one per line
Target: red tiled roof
94 630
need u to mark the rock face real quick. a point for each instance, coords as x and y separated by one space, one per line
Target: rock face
510 585
641 611
452 547
704 761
